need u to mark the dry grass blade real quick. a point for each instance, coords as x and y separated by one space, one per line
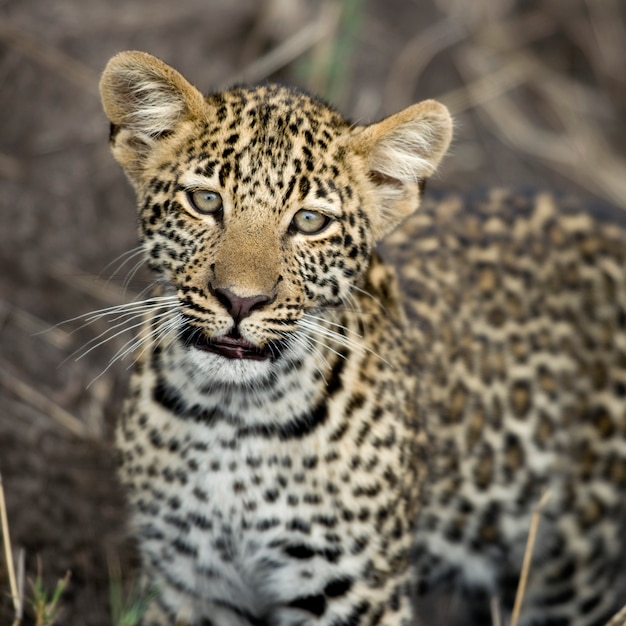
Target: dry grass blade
619 619
49 57
33 325
478 92
416 56
494 609
90 285
10 167
6 540
290 49
528 555
570 153
609 30
36 399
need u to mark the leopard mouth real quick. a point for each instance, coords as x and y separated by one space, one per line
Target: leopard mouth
230 346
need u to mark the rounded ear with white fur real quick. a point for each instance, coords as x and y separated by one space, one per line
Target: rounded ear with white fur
400 153
144 99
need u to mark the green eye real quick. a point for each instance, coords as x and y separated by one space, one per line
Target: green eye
205 201
309 222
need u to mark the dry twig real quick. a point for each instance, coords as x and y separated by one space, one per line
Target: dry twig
577 153
290 49
90 285
33 325
36 399
528 555
415 57
8 553
49 57
619 619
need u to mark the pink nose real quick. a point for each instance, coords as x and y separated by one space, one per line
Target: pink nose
238 307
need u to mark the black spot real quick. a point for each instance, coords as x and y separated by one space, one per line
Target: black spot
303 187
329 521
299 525
312 604
309 462
297 428
299 551
359 544
271 495
267 524
354 617
200 494
184 548
224 173
619 388
338 587
168 397
332 555
200 521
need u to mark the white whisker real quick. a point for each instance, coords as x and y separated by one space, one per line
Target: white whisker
322 319
369 295
342 340
92 316
101 339
132 272
308 343
157 337
122 260
153 337
315 338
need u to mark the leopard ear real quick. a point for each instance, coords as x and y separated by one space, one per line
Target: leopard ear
400 153
144 100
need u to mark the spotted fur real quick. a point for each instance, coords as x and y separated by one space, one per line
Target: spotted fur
296 432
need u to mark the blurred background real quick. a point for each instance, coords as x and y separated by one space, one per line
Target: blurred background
538 90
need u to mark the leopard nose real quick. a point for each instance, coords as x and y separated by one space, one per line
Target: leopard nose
238 307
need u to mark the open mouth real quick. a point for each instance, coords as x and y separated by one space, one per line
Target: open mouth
231 346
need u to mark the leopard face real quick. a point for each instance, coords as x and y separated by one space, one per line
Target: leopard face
259 206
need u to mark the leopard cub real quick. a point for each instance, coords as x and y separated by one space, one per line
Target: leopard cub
341 404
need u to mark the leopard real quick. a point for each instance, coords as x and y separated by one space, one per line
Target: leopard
351 398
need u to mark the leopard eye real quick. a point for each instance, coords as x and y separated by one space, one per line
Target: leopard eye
205 201
309 222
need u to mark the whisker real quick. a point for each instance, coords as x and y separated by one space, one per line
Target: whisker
136 311
126 256
309 343
369 295
322 319
157 336
135 342
101 339
92 316
339 338
132 272
319 342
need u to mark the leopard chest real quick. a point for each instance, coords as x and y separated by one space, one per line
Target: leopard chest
224 509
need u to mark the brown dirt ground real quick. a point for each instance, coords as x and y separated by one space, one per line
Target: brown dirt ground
538 88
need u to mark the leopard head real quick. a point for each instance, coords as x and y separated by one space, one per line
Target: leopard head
260 206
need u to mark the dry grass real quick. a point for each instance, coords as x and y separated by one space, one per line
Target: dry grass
17 597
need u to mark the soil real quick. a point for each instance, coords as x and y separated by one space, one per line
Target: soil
537 88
